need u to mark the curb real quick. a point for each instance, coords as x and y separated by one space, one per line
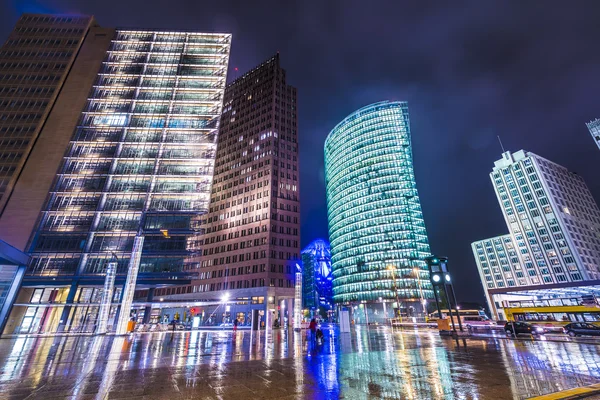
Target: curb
525 338
569 394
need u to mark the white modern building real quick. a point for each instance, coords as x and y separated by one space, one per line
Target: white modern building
554 231
594 128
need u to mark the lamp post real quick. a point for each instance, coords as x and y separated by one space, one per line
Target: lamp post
382 300
107 295
129 287
418 279
298 300
393 269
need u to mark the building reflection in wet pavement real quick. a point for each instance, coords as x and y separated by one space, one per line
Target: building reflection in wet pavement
367 363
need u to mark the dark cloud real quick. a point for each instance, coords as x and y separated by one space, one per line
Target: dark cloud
471 70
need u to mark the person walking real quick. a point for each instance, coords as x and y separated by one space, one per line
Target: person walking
235 324
312 327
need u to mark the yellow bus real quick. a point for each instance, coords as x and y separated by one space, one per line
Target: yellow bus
553 313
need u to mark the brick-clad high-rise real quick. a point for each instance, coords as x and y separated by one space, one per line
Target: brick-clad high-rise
47 66
253 224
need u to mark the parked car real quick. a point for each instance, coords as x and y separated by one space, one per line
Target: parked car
520 328
476 320
581 328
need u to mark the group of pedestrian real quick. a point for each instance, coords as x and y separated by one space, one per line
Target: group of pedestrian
316 334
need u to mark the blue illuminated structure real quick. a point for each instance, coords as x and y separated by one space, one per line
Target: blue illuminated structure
317 277
376 226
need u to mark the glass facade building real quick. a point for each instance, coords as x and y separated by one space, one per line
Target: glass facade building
376 228
317 276
141 162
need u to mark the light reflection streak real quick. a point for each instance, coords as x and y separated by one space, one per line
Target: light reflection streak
88 365
118 346
16 359
375 362
298 361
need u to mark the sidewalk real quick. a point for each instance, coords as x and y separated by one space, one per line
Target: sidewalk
498 333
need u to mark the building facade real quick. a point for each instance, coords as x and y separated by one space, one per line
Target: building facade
554 229
47 66
139 164
317 278
500 266
594 128
376 227
13 264
253 224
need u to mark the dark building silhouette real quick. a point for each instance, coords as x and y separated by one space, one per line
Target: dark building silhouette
47 66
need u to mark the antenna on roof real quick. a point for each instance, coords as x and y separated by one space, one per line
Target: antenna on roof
501 145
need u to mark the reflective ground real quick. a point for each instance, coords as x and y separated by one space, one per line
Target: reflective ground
373 363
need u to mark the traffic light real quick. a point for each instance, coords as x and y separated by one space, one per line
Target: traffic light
438 270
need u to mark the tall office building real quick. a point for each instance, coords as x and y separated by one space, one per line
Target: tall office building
47 66
376 226
554 230
594 128
139 166
253 226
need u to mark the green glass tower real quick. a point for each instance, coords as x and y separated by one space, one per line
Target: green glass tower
376 228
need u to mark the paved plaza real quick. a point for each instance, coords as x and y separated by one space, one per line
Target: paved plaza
374 363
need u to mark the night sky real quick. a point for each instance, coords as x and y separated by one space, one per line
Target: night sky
526 71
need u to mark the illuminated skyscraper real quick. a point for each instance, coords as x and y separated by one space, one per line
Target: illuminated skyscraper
253 225
594 128
376 228
140 162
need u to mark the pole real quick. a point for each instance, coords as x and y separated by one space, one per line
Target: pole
129 289
437 302
457 311
449 308
418 278
396 292
107 295
298 300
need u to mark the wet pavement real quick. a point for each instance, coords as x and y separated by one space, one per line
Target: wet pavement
374 363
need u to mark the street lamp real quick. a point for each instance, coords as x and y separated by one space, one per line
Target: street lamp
393 269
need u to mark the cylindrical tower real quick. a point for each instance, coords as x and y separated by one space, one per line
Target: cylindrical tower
376 228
